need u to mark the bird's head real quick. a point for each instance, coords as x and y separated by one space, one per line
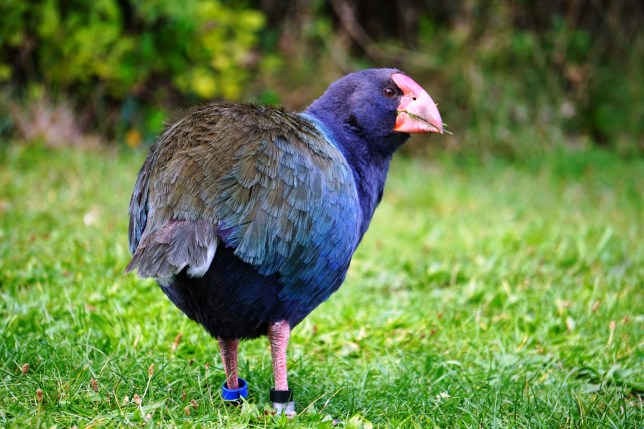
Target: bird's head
379 103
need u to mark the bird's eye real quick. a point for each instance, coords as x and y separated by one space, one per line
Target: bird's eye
389 92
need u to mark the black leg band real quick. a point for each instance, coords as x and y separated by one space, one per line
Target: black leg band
281 396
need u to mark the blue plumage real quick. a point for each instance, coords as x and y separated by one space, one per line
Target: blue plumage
282 200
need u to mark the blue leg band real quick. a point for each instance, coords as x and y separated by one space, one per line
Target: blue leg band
235 394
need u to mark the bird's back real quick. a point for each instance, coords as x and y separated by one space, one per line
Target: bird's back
262 192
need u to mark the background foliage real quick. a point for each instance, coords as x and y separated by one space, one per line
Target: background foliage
565 72
126 62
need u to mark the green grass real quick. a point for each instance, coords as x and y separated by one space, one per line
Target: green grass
485 294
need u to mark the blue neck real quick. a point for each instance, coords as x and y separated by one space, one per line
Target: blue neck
367 156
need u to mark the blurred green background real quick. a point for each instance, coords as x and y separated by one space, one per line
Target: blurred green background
512 78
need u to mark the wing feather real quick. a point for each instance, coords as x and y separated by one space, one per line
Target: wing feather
279 192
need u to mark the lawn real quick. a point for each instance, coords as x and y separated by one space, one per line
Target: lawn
486 294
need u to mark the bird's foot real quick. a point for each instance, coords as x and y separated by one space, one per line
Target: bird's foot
283 402
235 394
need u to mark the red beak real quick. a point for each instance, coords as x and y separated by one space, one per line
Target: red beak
417 112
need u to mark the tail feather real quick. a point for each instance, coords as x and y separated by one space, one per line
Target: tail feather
174 246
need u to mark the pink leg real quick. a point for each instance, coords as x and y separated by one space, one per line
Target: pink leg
228 349
278 334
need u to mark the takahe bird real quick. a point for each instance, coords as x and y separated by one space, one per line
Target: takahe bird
247 216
